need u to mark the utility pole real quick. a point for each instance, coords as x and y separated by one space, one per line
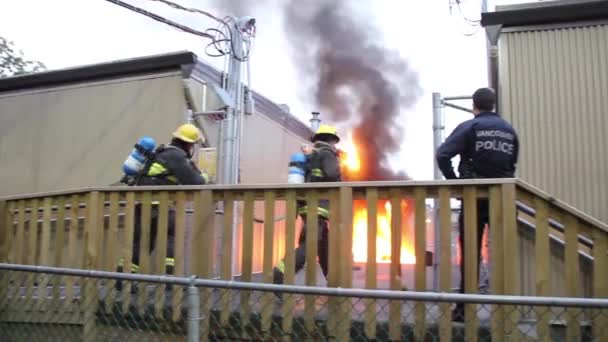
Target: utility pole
438 127
230 145
492 33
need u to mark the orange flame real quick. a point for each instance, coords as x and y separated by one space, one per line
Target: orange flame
383 235
350 158
351 164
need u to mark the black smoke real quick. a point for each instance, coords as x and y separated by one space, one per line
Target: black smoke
354 78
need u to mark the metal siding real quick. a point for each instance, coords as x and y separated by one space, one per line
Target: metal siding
553 86
79 136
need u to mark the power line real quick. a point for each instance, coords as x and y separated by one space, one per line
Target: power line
470 21
221 37
193 10
161 19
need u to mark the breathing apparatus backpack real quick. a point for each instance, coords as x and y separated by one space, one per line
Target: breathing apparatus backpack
139 161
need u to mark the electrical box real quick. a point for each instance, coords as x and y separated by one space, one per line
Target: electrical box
207 161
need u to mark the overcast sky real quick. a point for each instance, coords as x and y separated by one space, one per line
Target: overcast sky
65 33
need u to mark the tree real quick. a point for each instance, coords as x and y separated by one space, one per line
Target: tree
13 62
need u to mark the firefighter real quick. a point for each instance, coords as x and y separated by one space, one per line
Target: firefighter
488 147
171 165
323 166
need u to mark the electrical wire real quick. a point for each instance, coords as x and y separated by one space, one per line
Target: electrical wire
221 36
470 21
193 10
160 19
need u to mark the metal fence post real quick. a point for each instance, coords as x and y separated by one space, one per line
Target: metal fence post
194 302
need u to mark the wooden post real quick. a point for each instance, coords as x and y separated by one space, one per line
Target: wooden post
600 281
312 232
73 247
511 259
572 270
346 261
371 196
90 298
420 273
20 257
144 245
267 300
470 260
497 281
202 260
289 261
543 266
128 247
395 273
162 233
180 255
5 228
31 253
247 258
226 264
112 243
445 266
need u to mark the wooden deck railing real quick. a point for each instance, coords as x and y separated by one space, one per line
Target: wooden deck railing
93 228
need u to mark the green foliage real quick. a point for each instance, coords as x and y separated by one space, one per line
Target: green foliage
12 61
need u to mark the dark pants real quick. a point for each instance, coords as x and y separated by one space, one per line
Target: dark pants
300 251
153 231
322 246
482 219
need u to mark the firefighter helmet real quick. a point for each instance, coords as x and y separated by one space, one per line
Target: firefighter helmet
188 133
326 130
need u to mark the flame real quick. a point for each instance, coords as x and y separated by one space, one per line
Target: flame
351 159
352 168
383 235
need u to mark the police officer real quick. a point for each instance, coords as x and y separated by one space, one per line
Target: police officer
171 165
488 148
324 166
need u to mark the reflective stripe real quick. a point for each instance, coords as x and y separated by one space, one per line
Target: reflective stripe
320 211
317 172
157 169
169 262
281 266
121 263
135 267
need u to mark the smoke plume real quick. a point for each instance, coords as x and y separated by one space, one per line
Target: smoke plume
357 82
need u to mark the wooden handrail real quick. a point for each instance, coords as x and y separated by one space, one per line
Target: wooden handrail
562 205
269 187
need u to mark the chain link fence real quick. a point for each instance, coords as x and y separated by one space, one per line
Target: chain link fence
52 304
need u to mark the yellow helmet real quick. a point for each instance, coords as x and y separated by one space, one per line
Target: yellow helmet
188 133
326 130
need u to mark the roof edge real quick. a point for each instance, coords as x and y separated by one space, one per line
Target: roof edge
549 13
126 67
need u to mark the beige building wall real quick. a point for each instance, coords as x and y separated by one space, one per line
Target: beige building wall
554 89
78 135
265 150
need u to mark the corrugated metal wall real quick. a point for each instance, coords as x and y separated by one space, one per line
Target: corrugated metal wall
79 135
554 89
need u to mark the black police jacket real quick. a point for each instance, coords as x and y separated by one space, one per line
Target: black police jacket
488 147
